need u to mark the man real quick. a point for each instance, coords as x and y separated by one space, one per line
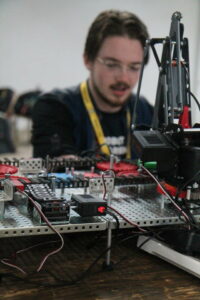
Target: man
97 114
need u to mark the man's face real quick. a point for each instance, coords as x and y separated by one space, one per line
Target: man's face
115 71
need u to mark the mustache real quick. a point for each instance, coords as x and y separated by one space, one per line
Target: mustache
120 84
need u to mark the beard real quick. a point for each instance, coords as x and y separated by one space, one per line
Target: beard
108 101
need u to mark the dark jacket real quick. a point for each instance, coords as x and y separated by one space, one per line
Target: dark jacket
61 123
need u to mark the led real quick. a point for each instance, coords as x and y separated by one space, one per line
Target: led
101 209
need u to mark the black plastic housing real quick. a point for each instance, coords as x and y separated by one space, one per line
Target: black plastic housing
88 206
151 145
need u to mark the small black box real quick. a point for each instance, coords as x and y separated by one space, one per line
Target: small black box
89 206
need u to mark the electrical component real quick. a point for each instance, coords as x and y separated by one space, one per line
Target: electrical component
63 180
56 209
88 206
117 166
6 169
172 143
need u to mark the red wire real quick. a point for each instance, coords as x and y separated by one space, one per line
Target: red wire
127 220
9 263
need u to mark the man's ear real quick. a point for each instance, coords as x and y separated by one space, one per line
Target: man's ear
87 62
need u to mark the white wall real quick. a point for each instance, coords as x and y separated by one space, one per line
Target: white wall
42 41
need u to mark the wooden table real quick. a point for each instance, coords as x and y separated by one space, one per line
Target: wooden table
135 274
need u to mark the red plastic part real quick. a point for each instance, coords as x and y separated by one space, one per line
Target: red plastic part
184 119
17 183
128 173
172 190
91 175
117 167
5 169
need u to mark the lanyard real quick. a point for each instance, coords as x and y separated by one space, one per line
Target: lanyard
96 124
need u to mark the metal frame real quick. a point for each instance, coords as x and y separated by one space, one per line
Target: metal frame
144 208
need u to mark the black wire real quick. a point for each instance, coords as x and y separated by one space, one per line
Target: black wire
195 99
144 242
193 96
185 209
92 243
86 273
189 213
134 115
79 278
187 220
180 188
115 217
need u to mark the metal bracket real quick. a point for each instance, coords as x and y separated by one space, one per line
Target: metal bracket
8 191
33 165
97 185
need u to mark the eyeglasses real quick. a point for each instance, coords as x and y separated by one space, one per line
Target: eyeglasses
117 67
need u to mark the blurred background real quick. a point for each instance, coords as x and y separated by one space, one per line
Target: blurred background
41 47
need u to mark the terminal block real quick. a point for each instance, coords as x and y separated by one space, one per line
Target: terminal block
56 209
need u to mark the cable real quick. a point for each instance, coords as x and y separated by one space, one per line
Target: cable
127 220
116 219
195 99
134 116
188 90
79 278
193 96
168 195
180 188
51 227
104 186
144 242
115 210
190 215
103 181
7 261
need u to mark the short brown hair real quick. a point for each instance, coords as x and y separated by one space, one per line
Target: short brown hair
113 23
